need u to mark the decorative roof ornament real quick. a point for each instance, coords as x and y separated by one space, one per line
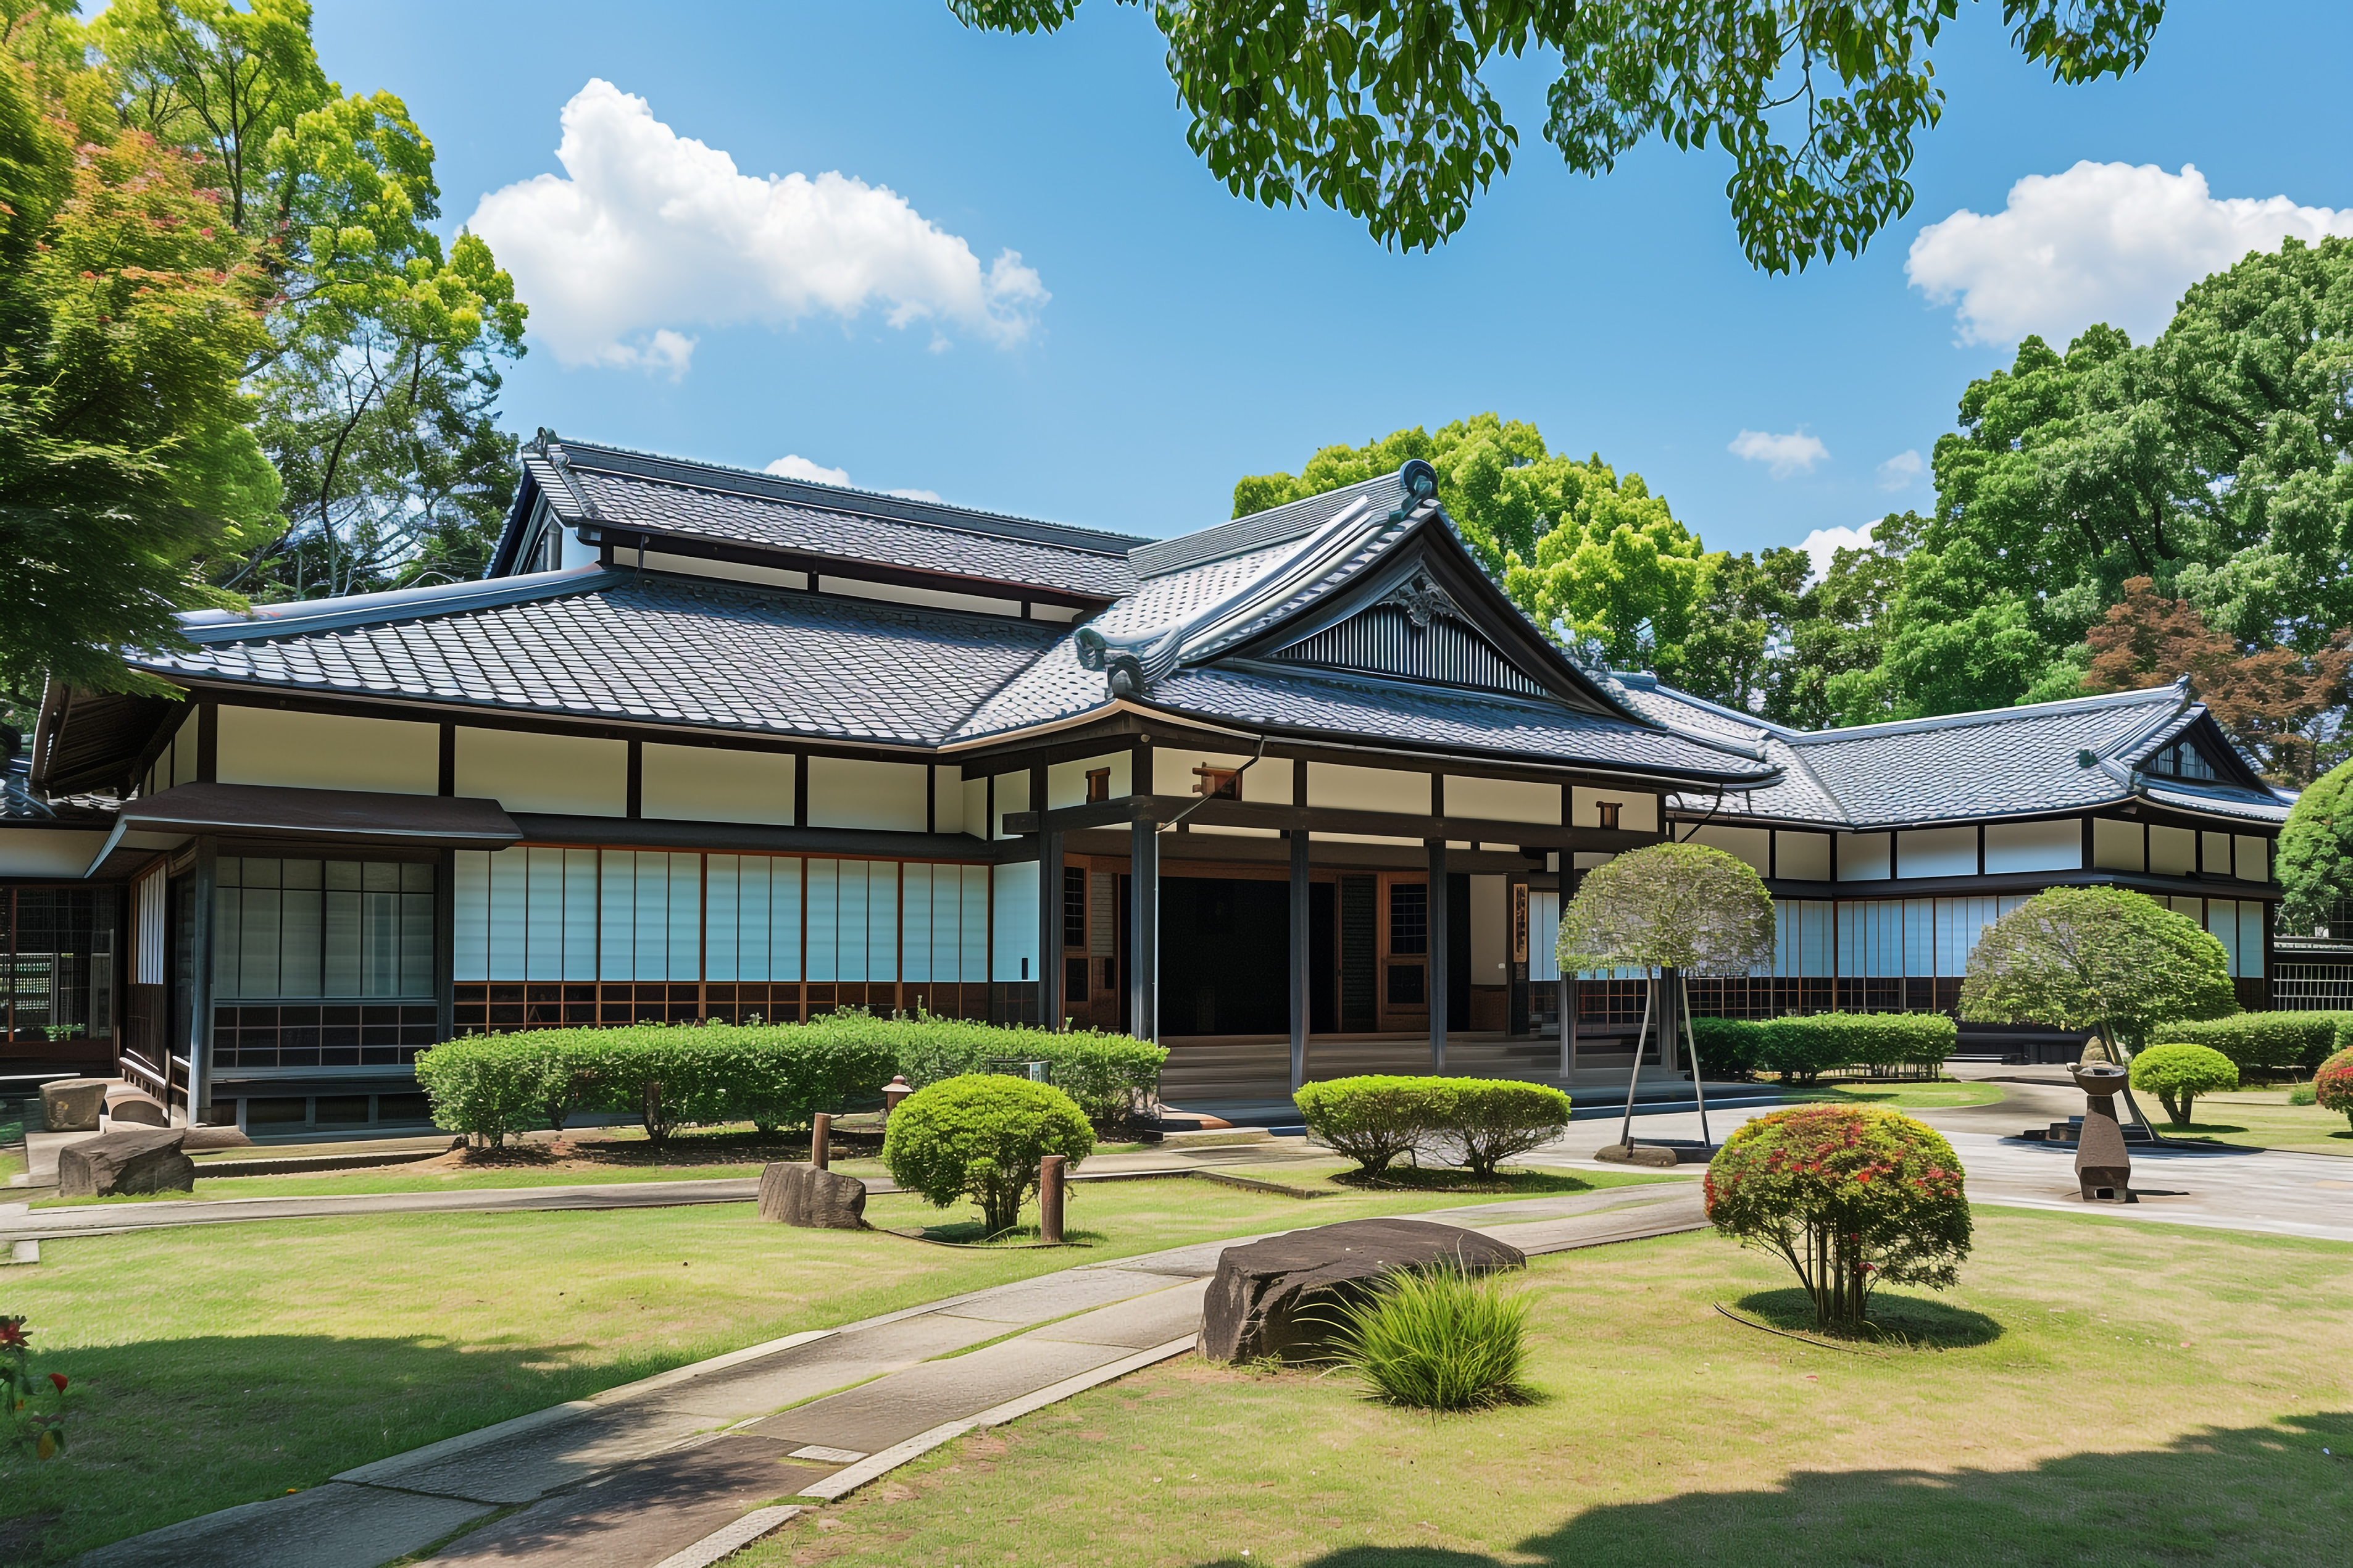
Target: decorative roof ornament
1417 482
1422 599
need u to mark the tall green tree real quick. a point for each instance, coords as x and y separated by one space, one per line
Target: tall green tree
1594 559
2316 855
379 383
1378 107
129 307
2116 962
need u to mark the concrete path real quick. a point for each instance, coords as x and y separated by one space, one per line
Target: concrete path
638 1476
115 1219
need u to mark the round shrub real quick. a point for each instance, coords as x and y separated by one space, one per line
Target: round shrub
981 1137
1495 1120
1375 1118
1852 1197
2178 1075
2332 1085
1441 1339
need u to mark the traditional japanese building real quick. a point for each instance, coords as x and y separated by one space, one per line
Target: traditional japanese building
1292 793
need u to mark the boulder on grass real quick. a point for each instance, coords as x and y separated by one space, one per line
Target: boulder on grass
792 1194
72 1105
130 1162
1269 1298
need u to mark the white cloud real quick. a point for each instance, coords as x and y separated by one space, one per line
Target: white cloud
794 466
1796 453
1823 542
1900 470
648 232
2103 242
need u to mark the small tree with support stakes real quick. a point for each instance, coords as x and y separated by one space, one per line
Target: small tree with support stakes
1672 910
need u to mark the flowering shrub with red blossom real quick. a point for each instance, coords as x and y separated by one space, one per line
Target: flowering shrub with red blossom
1853 1197
2332 1085
31 1407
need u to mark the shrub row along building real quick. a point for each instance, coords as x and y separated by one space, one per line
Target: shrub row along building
709 744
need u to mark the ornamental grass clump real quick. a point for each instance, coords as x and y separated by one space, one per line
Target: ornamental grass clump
2178 1075
2332 1085
1438 1338
1852 1197
981 1137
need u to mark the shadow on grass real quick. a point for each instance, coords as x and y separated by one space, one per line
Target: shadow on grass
164 1430
2261 1494
1903 1319
1444 1179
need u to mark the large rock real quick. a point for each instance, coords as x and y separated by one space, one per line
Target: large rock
117 1162
72 1105
792 1194
127 1107
1268 1296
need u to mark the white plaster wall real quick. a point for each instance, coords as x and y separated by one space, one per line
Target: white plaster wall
947 794
975 808
2036 846
1750 845
561 773
324 751
1012 795
1015 955
1172 773
1861 857
1066 782
1637 811
1491 931
931 598
2217 848
1344 788
1803 857
1502 801
2116 846
1940 852
845 792
706 784
2254 859
696 567
2172 851
47 851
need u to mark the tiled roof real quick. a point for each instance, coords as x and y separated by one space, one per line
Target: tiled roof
1277 526
639 492
688 651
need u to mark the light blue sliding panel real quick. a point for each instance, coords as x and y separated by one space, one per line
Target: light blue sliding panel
882 920
510 912
1920 937
617 927
1015 956
947 915
824 903
751 914
720 922
784 918
580 914
469 955
543 915
1543 935
685 918
972 930
2251 939
916 931
651 917
849 928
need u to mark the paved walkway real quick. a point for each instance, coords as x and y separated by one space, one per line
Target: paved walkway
636 1476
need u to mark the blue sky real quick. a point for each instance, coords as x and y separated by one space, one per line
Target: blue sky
1166 337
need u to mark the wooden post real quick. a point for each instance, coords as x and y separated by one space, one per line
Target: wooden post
1050 924
1143 930
821 1141
1299 944
1050 1198
1435 924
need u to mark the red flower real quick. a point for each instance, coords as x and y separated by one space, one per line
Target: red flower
59 1379
9 1333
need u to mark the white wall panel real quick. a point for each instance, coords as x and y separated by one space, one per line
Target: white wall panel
1938 852
328 752
1344 789
565 774
47 851
1066 782
2172 851
2116 845
1490 931
1802 857
845 792
1503 801
1637 810
706 784
948 800
1749 844
2254 859
1863 857
2036 846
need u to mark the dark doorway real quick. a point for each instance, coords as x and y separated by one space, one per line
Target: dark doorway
1323 960
1225 954
1458 951
1359 938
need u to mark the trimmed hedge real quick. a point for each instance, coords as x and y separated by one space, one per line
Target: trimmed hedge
773 1075
2269 1045
1802 1049
1375 1119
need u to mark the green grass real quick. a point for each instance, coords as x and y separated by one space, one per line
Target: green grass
222 1364
2259 1119
2096 1391
1923 1096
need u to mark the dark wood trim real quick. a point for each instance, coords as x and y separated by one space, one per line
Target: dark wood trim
755 838
2025 882
932 798
198 1045
207 741
448 769
2089 850
814 567
800 789
445 941
1321 819
635 791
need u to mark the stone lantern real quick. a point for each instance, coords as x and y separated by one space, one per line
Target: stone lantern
2103 1166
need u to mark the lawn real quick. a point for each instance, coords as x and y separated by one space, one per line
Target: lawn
2259 1119
227 1363
1921 1096
2100 1391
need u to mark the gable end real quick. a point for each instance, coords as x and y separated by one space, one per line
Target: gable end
1415 633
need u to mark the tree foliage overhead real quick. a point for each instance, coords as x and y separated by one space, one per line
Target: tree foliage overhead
1379 106
1669 907
2102 958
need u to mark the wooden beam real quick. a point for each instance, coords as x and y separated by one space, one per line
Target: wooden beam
1276 817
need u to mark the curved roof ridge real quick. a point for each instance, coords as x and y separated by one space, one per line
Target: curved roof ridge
2175 692
291 617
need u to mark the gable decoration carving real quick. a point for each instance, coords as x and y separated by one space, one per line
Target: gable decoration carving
1422 599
